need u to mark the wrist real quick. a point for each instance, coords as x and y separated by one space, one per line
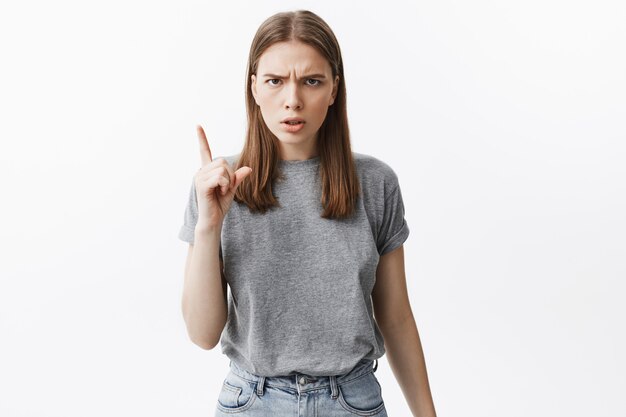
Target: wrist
203 230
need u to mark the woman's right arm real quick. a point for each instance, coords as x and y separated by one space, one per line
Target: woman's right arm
204 302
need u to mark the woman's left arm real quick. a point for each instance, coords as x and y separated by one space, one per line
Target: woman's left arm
393 314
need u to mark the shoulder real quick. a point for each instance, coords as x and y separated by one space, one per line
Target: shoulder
375 173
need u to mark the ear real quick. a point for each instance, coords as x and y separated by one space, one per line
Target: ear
334 92
253 87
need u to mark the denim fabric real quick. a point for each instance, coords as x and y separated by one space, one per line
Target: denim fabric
355 393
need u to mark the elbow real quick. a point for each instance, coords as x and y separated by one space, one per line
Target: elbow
204 344
204 335
203 340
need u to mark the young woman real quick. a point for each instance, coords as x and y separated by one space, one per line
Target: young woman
308 236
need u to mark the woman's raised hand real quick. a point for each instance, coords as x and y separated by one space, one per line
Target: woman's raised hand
216 183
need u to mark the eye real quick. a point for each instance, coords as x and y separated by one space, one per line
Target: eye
314 84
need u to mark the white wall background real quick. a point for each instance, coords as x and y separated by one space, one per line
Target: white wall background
504 121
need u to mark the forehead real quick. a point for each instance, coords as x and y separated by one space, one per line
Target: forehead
283 57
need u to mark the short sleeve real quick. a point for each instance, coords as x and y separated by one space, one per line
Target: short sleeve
190 218
393 229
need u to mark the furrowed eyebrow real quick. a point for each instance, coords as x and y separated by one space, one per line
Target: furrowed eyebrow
306 76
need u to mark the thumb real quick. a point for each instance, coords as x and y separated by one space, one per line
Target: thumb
240 174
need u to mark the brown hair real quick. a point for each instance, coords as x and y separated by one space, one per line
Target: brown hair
338 178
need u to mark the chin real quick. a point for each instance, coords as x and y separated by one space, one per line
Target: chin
290 138
290 141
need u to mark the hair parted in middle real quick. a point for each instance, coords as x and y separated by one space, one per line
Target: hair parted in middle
338 176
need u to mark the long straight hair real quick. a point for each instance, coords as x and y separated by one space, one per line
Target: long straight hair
338 177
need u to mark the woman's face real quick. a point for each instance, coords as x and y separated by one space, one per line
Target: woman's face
294 80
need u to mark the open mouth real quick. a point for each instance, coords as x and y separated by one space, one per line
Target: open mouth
293 127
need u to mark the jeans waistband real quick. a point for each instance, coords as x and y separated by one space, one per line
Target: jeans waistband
305 382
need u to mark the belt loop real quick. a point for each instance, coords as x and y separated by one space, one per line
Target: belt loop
334 392
259 386
376 365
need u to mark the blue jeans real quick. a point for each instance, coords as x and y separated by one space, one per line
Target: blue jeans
355 393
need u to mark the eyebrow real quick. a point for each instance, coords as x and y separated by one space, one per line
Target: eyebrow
306 76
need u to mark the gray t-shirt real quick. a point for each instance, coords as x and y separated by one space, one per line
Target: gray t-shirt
300 285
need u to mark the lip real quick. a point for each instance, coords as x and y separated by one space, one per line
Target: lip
292 119
292 128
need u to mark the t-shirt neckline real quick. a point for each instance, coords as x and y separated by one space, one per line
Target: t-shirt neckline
299 164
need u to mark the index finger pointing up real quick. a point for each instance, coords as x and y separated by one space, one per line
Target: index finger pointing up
205 150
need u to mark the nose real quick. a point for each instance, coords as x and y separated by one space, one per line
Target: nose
292 100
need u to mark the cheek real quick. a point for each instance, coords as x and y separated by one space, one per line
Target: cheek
268 101
321 107
266 105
